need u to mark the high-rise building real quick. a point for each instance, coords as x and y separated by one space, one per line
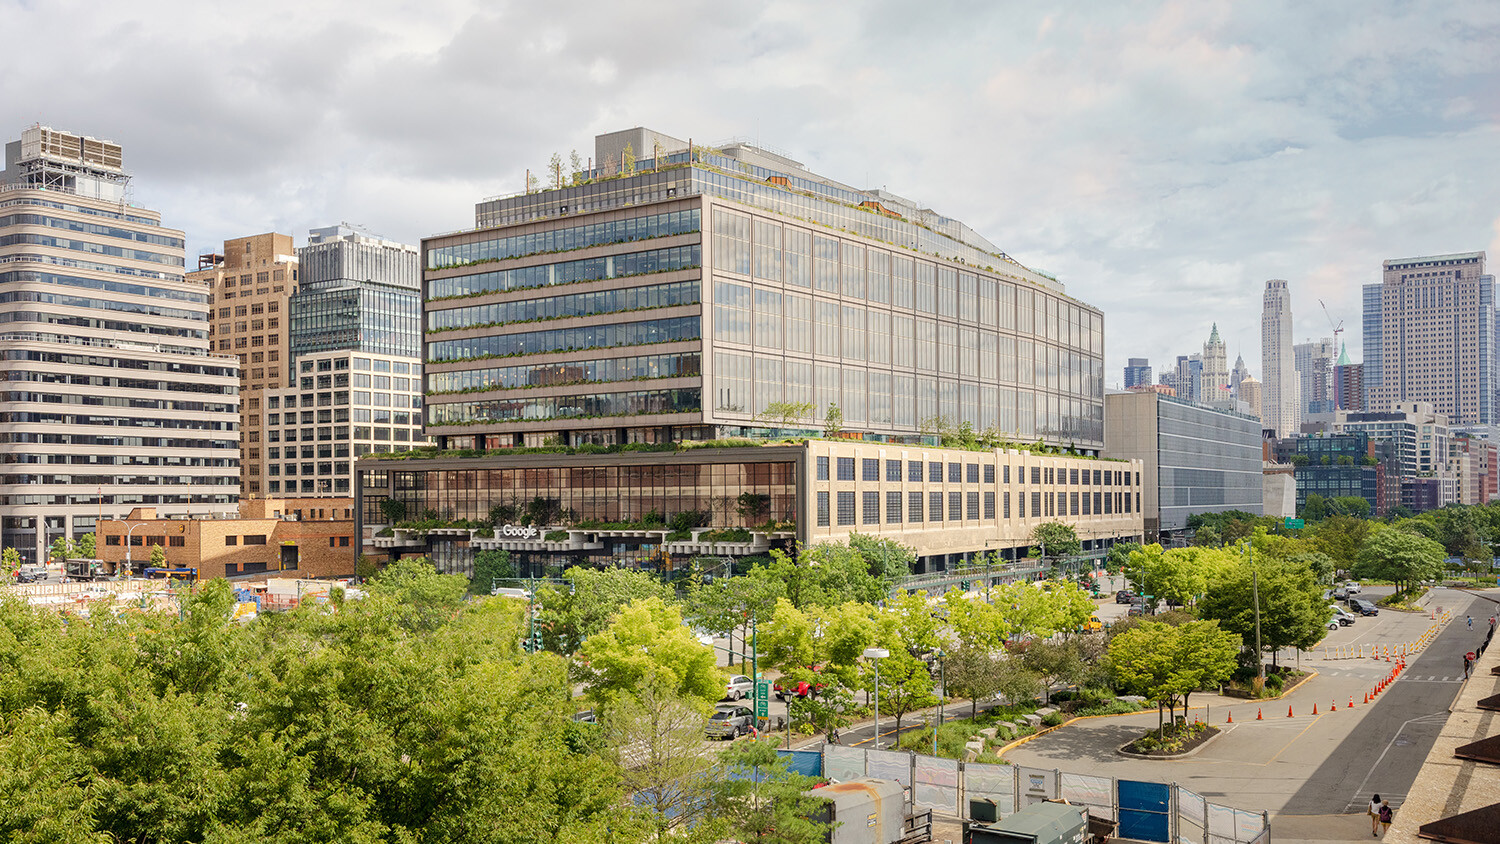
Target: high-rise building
697 294
359 293
1374 342
115 399
1213 381
1239 373
1252 394
1437 337
1137 372
1280 381
1314 361
1348 382
355 380
249 287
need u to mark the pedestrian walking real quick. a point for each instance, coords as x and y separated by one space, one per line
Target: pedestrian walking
1466 666
1373 810
1470 619
1385 816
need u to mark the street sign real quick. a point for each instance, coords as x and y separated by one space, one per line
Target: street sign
762 698
1294 524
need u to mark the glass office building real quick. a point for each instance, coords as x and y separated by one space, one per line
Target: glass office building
357 292
693 297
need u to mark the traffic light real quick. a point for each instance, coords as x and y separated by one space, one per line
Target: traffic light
964 585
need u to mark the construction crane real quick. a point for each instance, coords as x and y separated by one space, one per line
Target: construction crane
1337 349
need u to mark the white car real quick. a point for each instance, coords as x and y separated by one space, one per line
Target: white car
738 687
1351 588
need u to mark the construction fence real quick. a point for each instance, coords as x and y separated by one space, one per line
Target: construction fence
1145 811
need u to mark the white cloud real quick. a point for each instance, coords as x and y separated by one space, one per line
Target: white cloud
1163 159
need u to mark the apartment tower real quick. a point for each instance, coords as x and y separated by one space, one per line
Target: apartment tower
1280 393
249 287
1437 337
114 398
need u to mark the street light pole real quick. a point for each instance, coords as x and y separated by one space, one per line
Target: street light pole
128 568
1260 662
877 654
942 693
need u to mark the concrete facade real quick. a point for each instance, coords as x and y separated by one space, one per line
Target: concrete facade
1278 373
311 538
113 398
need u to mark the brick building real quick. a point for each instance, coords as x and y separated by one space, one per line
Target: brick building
314 538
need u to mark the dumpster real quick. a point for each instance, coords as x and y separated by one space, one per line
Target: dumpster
867 811
1039 823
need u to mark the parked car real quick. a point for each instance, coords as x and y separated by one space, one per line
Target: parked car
1124 596
799 688
729 721
1365 607
1341 594
31 574
1093 625
1136 608
1343 616
738 687
1333 623
1352 587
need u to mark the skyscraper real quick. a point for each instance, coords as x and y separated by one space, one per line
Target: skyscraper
1213 381
1280 394
114 399
1437 338
357 292
1137 372
1238 374
1348 382
1249 392
249 287
1313 361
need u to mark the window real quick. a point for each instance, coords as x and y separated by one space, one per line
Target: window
231 540
914 472
1005 501
934 473
973 507
870 508
972 473
177 541
869 469
893 472
989 505
846 468
255 539
1036 506
846 508
823 507
112 540
955 506
955 473
989 475
1073 477
893 507
914 506
1006 474
935 506
1036 474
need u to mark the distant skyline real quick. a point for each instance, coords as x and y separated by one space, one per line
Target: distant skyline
1162 159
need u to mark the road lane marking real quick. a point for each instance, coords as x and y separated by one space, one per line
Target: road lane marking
1392 743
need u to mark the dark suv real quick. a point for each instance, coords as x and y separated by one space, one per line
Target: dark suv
1125 596
1364 607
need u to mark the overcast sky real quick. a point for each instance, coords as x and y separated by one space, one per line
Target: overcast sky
1162 159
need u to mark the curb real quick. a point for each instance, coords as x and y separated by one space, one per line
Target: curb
1000 754
1219 731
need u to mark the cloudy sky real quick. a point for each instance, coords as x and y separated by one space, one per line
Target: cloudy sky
1162 159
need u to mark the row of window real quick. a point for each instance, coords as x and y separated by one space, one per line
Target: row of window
104 285
566 339
647 402
90 228
568 272
572 305
143 308
963 506
567 239
89 247
686 364
870 470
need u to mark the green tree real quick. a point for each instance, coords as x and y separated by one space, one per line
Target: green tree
1055 661
1166 663
1401 557
11 558
568 615
86 546
489 567
1208 536
1314 507
825 574
419 597
648 645
761 800
1349 505
1293 613
1341 537
656 740
158 556
887 559
787 413
972 672
61 548
833 421
1179 575
1055 539
392 510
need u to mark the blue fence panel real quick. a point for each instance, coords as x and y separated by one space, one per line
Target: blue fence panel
808 763
1144 810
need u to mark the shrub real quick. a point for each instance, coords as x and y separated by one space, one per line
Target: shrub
556 536
1053 719
1274 682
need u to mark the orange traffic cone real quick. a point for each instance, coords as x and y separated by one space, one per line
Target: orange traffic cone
1351 702
1258 716
1231 717
1289 711
1333 706
1315 710
1367 697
